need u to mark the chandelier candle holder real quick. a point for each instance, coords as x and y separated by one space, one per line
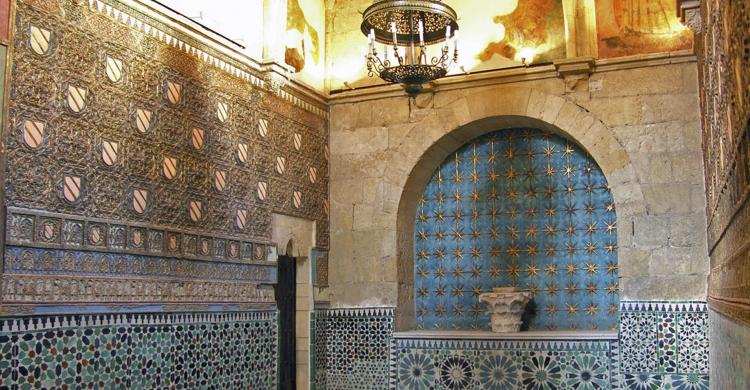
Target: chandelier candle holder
408 30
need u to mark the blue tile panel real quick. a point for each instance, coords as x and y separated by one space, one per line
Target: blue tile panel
454 364
664 344
142 351
352 348
519 208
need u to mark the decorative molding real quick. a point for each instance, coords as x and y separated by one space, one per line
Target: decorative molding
690 14
41 229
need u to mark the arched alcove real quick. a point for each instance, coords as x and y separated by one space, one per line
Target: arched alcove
521 208
583 130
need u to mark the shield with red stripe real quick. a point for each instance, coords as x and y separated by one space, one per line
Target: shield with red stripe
140 201
71 188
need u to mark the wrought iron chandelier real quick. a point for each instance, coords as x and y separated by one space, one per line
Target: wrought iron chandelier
407 28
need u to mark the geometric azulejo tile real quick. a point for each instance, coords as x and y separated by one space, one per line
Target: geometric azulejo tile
667 343
693 342
638 342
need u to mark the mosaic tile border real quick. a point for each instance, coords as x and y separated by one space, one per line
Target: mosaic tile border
449 363
664 343
185 350
60 231
352 348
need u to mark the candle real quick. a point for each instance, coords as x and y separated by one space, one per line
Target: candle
393 29
455 41
421 33
447 33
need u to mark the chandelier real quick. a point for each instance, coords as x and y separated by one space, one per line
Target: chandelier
407 28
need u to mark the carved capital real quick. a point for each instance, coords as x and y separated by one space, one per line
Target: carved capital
690 14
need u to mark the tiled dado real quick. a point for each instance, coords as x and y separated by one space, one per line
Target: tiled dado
494 363
141 351
351 348
664 345
60 231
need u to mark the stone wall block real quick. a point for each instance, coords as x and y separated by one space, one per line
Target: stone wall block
362 140
650 231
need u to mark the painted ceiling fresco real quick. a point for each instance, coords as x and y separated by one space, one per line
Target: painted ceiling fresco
493 33
518 208
304 39
628 27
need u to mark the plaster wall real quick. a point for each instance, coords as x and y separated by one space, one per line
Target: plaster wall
640 124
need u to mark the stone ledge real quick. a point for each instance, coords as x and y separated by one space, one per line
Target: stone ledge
485 335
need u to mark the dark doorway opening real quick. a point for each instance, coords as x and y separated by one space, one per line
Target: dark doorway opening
286 301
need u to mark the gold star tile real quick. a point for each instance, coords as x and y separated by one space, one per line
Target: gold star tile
550 171
496 251
457 196
440 272
476 234
475 214
440 312
457 177
552 289
591 247
570 209
476 291
492 157
422 254
589 189
569 189
550 250
439 216
493 194
611 227
531 232
571 268
611 268
458 216
532 250
532 270
612 308
513 251
423 312
495 271
440 198
514 270
551 269
493 176
531 212
612 288
513 231
592 268
550 191
494 213
551 230
457 291
422 235
549 151
423 217
476 271
494 232
530 193
591 228
475 156
458 272
440 291
610 207
530 173
550 211
511 194
440 178
568 150
474 177
611 247
440 253
570 230
568 170
533 289
571 308
551 309
476 311
592 309
570 248
458 254
440 235
458 234
510 154
423 292
458 310
422 200
476 252
572 288
423 272
591 288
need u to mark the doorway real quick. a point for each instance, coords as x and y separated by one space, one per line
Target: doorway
286 301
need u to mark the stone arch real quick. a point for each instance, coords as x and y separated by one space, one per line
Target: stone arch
464 116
